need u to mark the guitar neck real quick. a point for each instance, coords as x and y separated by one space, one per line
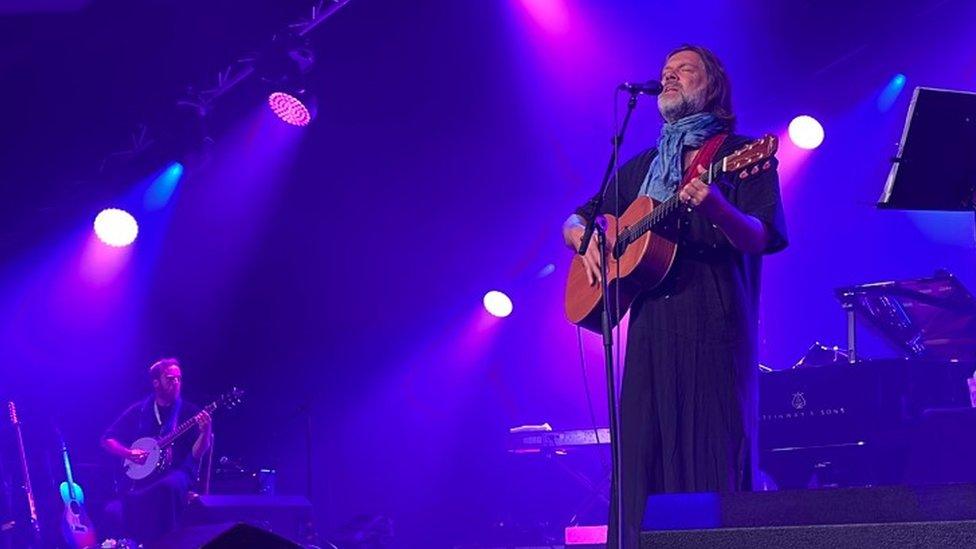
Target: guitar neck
28 490
182 428
67 467
665 210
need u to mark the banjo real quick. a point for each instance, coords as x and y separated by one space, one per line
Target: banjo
160 450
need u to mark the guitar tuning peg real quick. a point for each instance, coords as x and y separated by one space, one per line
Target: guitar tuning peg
743 174
767 165
755 170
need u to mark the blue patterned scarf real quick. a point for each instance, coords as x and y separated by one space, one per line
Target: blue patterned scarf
692 131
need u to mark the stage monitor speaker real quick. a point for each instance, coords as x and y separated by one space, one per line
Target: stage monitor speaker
289 516
919 535
222 536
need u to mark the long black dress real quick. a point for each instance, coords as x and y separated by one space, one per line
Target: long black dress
689 393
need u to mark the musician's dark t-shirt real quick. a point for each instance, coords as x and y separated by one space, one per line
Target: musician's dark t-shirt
139 420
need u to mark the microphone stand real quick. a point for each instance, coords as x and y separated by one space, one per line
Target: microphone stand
617 502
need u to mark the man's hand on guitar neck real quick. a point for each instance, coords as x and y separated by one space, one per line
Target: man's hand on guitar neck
202 443
699 195
204 421
573 230
745 232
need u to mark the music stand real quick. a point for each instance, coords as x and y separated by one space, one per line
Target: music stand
931 170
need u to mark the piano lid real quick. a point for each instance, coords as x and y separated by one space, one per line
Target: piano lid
922 318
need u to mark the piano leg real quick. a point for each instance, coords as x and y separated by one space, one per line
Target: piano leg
851 333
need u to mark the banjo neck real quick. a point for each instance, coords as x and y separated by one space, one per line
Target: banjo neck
182 428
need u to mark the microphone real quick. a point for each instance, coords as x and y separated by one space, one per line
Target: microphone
651 87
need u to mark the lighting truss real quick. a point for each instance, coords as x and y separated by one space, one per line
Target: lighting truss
244 67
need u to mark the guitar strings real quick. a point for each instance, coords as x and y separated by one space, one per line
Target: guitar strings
648 222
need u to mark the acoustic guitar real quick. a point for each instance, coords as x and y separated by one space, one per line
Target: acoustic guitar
77 528
647 245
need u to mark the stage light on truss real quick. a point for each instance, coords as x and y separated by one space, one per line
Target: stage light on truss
297 108
116 228
498 304
284 67
806 132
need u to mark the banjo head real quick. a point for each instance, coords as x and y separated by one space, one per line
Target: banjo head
136 471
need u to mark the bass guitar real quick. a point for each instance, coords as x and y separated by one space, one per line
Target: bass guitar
159 450
647 244
77 528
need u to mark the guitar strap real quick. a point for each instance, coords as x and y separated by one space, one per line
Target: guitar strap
704 156
171 420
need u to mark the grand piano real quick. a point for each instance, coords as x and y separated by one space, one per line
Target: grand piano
833 421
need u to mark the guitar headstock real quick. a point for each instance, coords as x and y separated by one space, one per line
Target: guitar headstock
231 398
12 410
755 154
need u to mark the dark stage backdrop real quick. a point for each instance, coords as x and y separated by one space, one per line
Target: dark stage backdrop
336 272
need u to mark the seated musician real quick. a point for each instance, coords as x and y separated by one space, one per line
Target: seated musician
152 507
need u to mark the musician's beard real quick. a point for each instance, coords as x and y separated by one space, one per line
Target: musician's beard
169 395
676 106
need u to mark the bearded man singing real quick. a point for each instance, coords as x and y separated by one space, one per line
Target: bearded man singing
688 404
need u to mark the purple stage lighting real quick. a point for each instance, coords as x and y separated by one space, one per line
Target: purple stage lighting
116 227
291 108
498 304
806 132
551 15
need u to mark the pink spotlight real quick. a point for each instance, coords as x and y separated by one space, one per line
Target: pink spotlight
290 108
116 227
551 15
498 304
